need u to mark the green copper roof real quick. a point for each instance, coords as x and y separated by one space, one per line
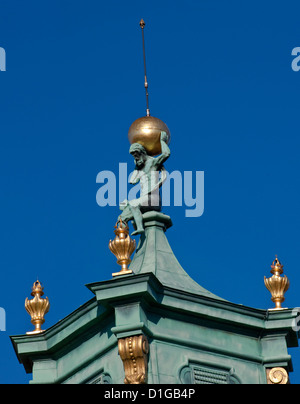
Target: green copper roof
155 255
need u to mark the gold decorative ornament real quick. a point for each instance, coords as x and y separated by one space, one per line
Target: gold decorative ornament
122 247
147 132
277 376
277 284
37 307
134 354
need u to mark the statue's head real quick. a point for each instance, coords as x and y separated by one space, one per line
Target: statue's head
139 153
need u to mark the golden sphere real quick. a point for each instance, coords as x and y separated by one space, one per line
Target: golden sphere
147 131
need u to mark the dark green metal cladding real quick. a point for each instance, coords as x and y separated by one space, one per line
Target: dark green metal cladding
155 255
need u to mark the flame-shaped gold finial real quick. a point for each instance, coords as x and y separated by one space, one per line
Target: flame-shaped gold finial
122 247
277 284
37 307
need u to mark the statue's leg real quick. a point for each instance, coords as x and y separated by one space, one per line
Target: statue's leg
127 214
133 213
138 218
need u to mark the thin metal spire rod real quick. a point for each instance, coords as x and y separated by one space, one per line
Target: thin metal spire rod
142 25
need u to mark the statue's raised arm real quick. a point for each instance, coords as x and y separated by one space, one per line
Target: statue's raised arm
165 151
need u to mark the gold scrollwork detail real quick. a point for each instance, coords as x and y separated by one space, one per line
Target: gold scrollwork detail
134 354
277 376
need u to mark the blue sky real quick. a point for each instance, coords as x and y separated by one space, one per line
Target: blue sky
219 75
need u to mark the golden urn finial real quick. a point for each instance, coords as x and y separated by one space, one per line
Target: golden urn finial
122 247
277 284
37 307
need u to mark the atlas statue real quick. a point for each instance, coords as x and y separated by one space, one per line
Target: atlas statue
151 174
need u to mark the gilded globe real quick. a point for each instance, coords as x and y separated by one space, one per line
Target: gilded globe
147 131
